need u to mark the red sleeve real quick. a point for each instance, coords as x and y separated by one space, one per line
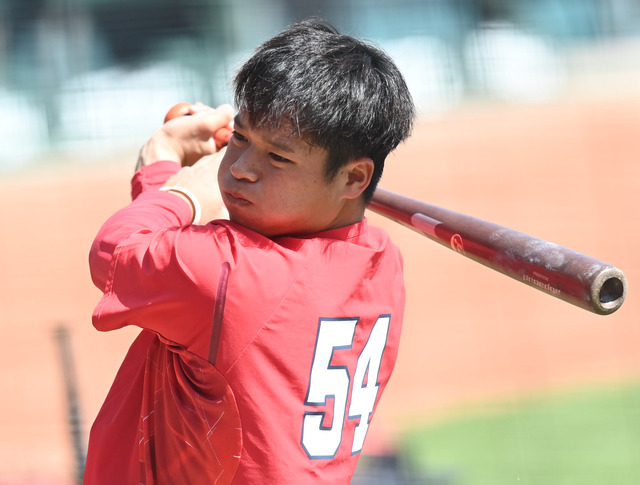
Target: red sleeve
153 267
150 210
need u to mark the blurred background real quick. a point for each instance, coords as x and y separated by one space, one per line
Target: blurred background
72 69
529 117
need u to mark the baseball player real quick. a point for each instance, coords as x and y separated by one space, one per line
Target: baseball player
268 337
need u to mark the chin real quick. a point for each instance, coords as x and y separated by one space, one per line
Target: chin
254 225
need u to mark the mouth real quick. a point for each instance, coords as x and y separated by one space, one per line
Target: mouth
235 198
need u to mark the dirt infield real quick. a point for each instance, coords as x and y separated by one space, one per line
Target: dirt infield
568 173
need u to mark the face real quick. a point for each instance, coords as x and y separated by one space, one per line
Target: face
275 183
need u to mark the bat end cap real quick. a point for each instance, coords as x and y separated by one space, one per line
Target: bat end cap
608 291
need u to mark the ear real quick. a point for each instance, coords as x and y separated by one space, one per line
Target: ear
358 175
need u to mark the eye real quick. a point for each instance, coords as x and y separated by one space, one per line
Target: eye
277 158
238 137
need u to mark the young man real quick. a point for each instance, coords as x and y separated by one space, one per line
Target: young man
268 337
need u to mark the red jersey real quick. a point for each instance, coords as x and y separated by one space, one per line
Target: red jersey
260 361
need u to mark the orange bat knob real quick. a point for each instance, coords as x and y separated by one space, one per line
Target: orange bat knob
221 137
180 109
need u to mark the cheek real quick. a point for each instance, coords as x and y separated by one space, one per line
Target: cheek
306 199
227 160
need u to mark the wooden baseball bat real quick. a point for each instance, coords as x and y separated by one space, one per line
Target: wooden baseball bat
63 341
557 271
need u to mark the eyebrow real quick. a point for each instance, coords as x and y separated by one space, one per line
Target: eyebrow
280 145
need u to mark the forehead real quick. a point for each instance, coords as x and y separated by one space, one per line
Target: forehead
282 126
281 133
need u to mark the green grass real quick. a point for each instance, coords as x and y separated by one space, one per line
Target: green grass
583 438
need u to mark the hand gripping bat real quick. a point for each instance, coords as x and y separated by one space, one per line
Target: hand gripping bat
565 274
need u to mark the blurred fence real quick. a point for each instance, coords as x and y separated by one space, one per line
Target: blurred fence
90 74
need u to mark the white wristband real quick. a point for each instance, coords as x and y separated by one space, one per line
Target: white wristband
195 205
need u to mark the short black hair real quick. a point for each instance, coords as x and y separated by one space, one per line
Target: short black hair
339 93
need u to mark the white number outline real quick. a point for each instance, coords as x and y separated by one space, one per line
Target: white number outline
363 397
328 381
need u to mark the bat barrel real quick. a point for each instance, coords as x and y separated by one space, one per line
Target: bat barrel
565 274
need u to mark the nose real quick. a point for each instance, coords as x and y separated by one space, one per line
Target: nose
245 167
